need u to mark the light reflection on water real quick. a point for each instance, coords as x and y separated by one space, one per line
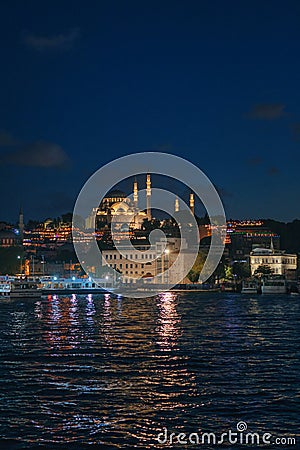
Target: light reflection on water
101 369
168 321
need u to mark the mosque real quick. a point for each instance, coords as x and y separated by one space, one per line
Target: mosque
123 210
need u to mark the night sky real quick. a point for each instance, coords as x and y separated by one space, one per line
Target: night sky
216 82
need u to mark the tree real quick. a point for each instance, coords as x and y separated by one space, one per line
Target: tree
11 260
150 225
228 273
195 271
241 270
32 224
67 218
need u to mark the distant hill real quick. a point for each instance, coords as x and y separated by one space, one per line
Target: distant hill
289 233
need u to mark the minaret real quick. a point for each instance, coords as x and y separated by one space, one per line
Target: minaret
148 196
21 225
192 203
135 194
176 204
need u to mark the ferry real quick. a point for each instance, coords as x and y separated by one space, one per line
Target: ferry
5 285
274 286
5 288
25 288
249 287
49 285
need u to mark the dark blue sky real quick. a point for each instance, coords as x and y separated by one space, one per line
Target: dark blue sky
213 81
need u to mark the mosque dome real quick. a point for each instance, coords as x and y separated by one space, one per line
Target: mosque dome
116 193
111 198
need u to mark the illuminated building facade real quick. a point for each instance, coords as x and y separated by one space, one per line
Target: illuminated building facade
135 262
280 263
243 236
117 206
9 238
48 233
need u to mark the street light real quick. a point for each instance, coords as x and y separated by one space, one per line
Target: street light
20 258
163 264
43 264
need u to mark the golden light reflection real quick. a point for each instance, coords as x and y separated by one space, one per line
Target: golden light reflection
168 322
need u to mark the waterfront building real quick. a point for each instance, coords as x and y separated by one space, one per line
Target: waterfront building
280 262
141 261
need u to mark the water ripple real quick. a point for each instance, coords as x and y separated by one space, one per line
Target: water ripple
99 370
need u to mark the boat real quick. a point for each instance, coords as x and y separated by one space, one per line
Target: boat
5 288
249 287
5 285
73 285
25 289
274 286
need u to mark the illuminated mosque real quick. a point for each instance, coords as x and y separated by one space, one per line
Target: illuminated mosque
123 210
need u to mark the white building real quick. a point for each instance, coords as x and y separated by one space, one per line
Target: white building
144 263
279 262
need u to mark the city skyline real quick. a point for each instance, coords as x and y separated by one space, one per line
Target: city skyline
149 223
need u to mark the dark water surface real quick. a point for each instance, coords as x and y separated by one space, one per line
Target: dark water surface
101 370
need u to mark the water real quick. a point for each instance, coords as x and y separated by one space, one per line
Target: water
100 370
